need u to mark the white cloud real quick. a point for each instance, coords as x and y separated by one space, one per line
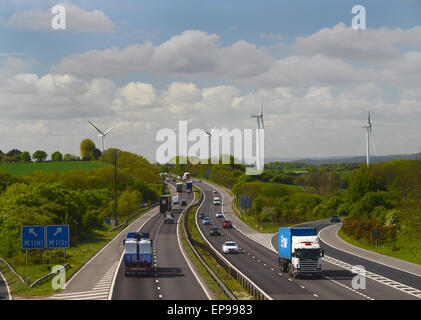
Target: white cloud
370 45
77 19
191 53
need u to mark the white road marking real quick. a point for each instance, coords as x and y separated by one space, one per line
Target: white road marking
99 292
391 283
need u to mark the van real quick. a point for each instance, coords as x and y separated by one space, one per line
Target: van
216 201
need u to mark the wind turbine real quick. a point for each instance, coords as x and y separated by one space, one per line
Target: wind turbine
260 127
102 135
209 134
369 129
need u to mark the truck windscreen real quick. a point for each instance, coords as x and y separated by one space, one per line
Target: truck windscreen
307 253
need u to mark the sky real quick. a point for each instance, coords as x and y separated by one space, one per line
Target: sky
143 66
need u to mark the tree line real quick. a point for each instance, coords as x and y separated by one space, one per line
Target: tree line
81 199
384 196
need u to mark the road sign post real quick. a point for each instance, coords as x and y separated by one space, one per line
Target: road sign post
33 237
58 237
376 234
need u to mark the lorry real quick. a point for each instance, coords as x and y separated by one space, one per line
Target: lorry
299 251
165 203
179 186
137 253
189 186
186 176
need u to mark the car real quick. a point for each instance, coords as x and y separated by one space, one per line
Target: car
206 220
230 247
335 218
202 215
183 202
214 191
175 200
174 179
219 214
216 201
169 218
227 224
215 232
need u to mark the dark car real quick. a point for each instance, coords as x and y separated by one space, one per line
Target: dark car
335 218
202 215
227 224
215 232
183 202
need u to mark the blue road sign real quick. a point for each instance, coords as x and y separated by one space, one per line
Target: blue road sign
33 237
57 237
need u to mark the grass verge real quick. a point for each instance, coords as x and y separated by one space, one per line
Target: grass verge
406 254
224 276
76 256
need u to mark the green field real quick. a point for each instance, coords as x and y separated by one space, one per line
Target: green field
23 169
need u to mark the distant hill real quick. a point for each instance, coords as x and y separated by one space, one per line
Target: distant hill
23 169
346 159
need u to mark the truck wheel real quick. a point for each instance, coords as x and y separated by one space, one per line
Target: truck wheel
290 272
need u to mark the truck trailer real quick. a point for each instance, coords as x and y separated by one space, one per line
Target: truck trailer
165 203
189 186
299 251
137 253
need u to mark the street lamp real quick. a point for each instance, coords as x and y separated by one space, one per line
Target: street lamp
115 186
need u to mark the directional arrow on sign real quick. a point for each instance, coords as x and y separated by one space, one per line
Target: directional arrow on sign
31 230
58 230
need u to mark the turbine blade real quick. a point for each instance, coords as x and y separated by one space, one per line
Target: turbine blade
95 127
261 107
263 124
108 131
213 130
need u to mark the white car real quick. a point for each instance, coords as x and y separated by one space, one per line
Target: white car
230 247
219 214
216 201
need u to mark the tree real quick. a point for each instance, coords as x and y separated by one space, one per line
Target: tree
57 156
26 156
87 149
40 155
97 153
13 152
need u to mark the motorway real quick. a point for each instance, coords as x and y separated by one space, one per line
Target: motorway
260 264
172 278
102 278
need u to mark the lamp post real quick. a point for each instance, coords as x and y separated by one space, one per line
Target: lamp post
115 186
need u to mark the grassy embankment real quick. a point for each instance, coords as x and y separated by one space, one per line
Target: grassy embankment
76 256
404 253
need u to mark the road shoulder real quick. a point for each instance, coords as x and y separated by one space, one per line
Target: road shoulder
329 236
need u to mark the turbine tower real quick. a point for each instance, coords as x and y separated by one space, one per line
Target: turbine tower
260 126
101 134
209 134
369 129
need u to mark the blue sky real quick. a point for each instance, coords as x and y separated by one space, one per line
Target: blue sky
130 62
157 21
